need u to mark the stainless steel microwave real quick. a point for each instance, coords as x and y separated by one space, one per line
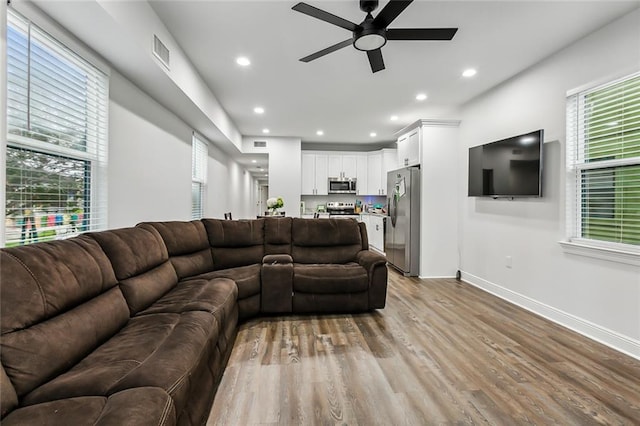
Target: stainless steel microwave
342 186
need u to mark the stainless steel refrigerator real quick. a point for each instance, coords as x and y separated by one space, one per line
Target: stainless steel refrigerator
402 236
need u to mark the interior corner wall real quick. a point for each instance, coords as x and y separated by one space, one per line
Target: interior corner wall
149 165
598 298
285 169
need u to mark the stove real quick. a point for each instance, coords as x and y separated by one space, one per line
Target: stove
339 208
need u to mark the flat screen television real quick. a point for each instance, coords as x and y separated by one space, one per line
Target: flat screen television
509 167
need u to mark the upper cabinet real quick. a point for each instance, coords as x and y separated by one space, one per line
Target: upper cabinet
314 174
343 166
379 164
409 148
319 166
362 173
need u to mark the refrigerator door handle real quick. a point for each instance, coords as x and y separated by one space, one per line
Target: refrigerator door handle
393 210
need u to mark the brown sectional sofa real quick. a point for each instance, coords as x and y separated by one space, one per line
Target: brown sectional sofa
135 326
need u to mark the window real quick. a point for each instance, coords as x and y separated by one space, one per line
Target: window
57 107
198 176
603 162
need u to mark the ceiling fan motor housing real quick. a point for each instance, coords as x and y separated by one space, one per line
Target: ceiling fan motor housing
367 36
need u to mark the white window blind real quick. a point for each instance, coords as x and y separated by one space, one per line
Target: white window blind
199 156
603 162
57 112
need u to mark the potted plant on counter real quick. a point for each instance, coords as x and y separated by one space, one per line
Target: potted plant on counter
275 203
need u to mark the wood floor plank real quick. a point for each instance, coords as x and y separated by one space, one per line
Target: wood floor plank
441 352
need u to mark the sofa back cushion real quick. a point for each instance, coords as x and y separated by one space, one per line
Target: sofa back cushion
8 396
59 300
141 263
235 242
277 235
325 240
187 245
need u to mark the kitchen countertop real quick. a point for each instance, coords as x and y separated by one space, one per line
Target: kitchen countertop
375 214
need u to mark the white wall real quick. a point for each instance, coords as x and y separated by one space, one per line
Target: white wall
438 200
149 168
596 297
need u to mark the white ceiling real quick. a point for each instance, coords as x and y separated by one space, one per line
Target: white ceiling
338 93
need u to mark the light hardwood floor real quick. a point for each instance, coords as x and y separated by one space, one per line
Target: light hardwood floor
441 352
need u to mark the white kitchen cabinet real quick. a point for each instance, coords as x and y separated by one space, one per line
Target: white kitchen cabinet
343 166
376 232
409 148
362 172
379 164
374 175
314 174
370 169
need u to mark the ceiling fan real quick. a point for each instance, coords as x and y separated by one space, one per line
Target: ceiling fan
372 33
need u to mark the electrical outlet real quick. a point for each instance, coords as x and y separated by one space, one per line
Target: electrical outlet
508 262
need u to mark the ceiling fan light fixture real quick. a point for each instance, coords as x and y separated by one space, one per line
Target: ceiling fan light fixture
368 42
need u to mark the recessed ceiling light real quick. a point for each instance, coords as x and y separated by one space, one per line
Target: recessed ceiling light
394 118
243 61
373 134
421 97
266 175
265 130
469 72
258 110
319 133
254 161
527 140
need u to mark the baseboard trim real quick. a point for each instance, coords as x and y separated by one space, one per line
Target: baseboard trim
436 277
617 341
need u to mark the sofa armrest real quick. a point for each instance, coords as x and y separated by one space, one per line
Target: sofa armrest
369 260
376 266
277 283
274 259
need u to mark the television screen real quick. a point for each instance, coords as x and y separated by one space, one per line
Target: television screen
510 167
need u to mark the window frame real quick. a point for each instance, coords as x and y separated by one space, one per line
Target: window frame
199 152
575 243
94 150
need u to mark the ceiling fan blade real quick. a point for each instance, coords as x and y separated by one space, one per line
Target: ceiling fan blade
375 60
328 50
390 12
421 33
324 16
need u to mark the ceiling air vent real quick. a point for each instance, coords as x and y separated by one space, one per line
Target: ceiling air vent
259 144
161 51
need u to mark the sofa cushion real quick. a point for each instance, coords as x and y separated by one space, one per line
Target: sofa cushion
34 355
330 279
325 240
139 406
195 295
187 244
277 235
247 278
8 396
141 263
49 278
58 302
235 242
159 350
